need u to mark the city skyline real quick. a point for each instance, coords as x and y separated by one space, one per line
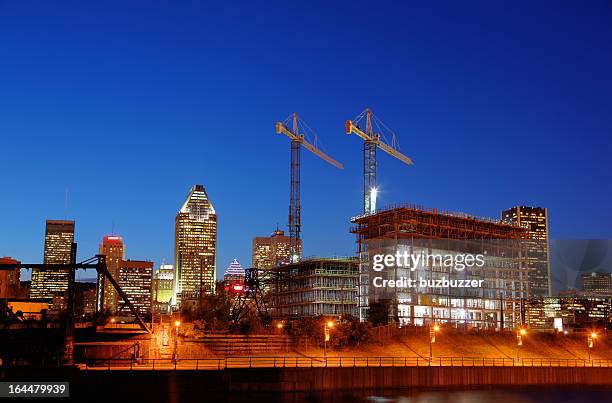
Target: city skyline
461 124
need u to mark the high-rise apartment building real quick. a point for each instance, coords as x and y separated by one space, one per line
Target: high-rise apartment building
272 251
596 284
59 236
135 278
535 219
9 279
112 247
195 246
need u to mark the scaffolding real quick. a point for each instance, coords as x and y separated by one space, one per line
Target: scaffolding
505 278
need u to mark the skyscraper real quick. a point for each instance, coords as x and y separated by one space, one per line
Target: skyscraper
112 247
59 236
535 219
234 273
195 246
135 277
162 289
272 251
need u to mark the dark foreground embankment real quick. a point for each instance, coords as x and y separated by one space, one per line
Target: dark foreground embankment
185 384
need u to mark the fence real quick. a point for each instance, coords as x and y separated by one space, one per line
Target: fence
311 362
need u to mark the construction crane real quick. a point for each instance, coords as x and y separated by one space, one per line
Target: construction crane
372 141
298 140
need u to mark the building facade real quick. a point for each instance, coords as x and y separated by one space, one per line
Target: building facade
535 219
9 279
501 279
195 246
272 251
162 290
112 246
596 284
59 236
313 287
234 273
135 279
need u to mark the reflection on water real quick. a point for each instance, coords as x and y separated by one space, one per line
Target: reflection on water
539 395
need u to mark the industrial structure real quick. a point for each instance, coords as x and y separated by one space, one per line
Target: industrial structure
298 140
195 246
59 237
372 141
317 286
504 276
535 220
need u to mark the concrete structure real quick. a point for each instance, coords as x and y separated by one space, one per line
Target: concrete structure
596 284
312 287
135 278
59 236
195 246
9 279
112 246
535 219
503 279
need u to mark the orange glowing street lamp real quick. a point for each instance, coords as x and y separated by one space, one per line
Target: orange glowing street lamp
326 332
432 339
590 341
520 333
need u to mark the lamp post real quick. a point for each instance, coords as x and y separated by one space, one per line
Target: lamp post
326 332
590 340
177 324
432 339
113 323
519 340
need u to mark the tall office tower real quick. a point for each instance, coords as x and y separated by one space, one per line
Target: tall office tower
535 219
272 251
9 279
59 236
162 290
596 284
234 273
135 278
112 247
195 246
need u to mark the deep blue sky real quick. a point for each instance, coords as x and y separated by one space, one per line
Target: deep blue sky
128 104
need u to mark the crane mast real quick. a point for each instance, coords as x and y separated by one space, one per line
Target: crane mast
298 141
371 142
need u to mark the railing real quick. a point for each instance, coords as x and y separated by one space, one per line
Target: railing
311 362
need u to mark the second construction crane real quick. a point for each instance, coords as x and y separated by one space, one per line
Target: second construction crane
372 141
298 141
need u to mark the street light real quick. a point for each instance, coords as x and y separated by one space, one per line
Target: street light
519 340
177 323
113 323
432 339
326 329
590 340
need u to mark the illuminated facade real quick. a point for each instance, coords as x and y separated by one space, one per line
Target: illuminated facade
59 236
272 251
9 279
135 279
495 303
162 290
535 219
112 247
596 284
234 273
195 246
313 287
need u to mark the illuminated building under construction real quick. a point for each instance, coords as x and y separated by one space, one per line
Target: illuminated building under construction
494 304
316 286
